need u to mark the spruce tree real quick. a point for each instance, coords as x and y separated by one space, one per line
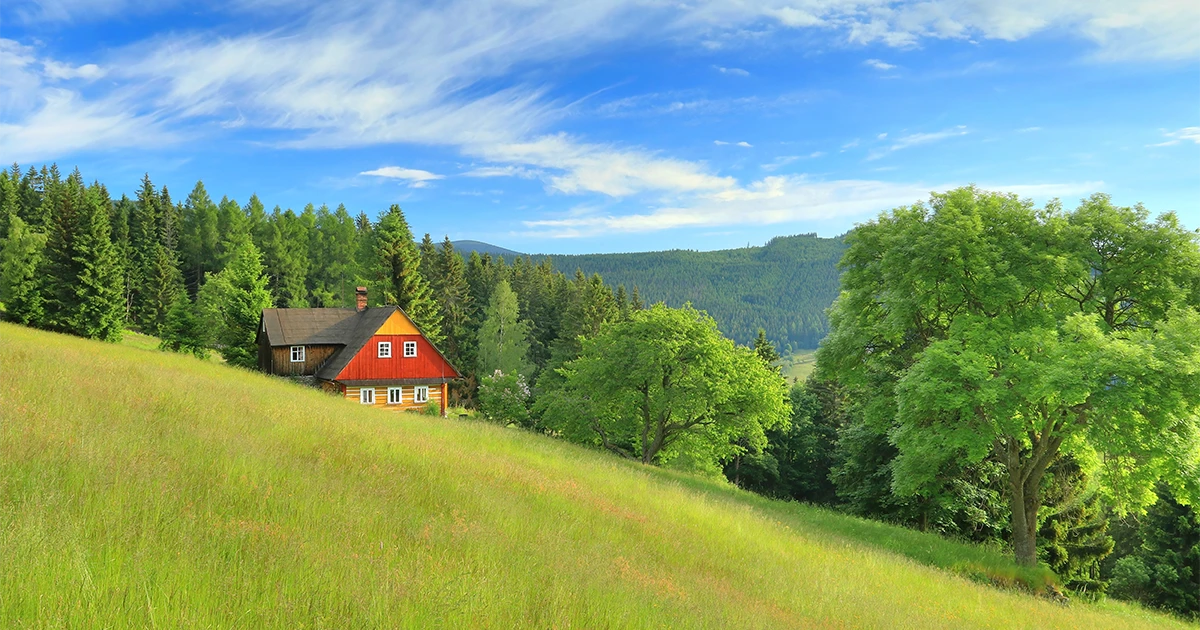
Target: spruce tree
232 302
429 263
397 263
83 291
143 247
185 330
198 247
765 349
454 301
20 278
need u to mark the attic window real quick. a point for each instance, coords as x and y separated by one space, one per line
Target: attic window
297 354
385 350
410 348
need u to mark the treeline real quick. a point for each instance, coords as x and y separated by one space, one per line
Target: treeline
534 344
782 287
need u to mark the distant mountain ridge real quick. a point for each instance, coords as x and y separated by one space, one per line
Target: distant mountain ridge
466 247
783 287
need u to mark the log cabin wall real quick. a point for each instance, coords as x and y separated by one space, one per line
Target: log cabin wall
436 392
314 358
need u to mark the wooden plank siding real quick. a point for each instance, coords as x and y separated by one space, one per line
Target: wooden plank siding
314 358
435 396
367 366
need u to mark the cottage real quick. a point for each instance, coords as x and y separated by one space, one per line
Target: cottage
374 356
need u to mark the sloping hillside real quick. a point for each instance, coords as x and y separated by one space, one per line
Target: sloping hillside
142 489
783 287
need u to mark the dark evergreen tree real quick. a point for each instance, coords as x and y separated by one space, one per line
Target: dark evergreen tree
397 265
429 262
765 349
200 237
83 288
1073 536
1160 557
185 329
231 303
454 301
8 202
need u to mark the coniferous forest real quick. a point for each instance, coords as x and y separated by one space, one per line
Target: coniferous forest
1100 297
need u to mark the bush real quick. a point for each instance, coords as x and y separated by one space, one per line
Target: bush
432 408
504 398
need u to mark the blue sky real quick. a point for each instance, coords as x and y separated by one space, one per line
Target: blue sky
612 125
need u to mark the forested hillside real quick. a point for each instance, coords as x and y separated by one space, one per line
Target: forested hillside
783 287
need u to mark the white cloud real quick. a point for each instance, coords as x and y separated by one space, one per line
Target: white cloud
737 72
743 143
504 171
1028 129
63 71
916 139
1186 134
881 136
416 178
879 65
776 199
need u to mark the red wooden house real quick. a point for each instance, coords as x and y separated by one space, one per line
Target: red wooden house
374 356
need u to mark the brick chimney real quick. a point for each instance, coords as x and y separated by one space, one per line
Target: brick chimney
361 294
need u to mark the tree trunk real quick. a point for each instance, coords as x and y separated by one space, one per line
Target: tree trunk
1024 520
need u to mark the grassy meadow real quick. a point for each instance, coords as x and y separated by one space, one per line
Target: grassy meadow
146 489
798 365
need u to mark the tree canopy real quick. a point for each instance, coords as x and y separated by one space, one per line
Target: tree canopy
665 384
980 327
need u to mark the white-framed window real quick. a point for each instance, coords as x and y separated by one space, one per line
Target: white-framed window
385 350
297 354
410 348
395 395
420 394
366 395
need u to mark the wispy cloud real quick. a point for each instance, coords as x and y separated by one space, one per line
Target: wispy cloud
1186 134
775 199
879 65
917 139
416 178
737 72
504 171
743 143
784 160
1028 129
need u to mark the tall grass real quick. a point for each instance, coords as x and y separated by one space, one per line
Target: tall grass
143 489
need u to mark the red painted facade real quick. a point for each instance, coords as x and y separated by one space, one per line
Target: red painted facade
366 365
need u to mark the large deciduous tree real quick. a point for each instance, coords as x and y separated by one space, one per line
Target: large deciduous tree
978 327
664 385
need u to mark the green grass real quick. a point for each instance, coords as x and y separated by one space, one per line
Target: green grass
146 489
798 365
135 339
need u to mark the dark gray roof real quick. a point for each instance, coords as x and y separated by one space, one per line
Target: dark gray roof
368 322
310 326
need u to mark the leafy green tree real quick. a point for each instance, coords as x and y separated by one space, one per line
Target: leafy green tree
980 328
504 398
232 302
8 200
185 329
20 281
397 263
83 286
502 341
666 386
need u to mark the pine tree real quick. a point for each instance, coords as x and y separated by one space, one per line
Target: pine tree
83 291
20 278
232 302
143 247
635 301
185 330
765 349
623 309
454 300
200 237
429 263
397 263
503 343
